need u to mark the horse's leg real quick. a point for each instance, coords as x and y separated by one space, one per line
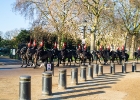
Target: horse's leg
64 61
89 61
35 62
99 61
69 61
58 60
26 62
22 62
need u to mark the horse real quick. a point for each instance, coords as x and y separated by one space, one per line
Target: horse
105 55
43 55
113 56
97 56
66 54
22 54
136 55
30 54
75 56
83 56
123 57
57 55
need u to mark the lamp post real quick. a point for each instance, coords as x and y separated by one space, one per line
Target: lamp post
84 30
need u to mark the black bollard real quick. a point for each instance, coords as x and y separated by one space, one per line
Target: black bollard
47 83
83 73
100 70
124 68
62 79
112 68
74 76
25 87
95 69
90 71
134 67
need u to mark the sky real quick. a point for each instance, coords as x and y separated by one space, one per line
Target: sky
10 20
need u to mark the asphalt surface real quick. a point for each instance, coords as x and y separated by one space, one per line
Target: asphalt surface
8 61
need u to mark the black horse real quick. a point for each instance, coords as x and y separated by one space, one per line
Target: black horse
113 56
97 56
66 54
57 55
43 55
83 56
123 56
136 55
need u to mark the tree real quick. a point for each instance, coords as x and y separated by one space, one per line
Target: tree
23 37
55 15
94 8
130 17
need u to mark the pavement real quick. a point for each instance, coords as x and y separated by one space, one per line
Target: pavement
4 60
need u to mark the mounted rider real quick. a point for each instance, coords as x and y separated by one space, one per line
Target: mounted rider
79 48
123 51
34 44
118 49
108 48
55 46
138 51
85 48
29 45
41 45
64 46
101 48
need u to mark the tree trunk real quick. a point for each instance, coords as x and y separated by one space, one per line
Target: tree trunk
93 32
92 42
132 49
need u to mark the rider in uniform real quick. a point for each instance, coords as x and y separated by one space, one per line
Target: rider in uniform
29 45
100 49
41 45
79 48
55 46
85 48
123 51
138 51
108 48
118 49
34 44
64 46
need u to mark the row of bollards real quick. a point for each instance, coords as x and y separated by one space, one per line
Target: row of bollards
25 80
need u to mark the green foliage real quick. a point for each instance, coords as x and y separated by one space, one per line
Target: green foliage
23 37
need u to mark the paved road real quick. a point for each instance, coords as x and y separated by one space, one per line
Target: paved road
8 61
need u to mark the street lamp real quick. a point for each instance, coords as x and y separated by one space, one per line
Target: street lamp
84 30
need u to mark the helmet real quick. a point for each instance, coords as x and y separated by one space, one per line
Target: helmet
118 48
100 47
41 44
64 45
55 45
85 47
122 47
29 44
108 47
34 43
